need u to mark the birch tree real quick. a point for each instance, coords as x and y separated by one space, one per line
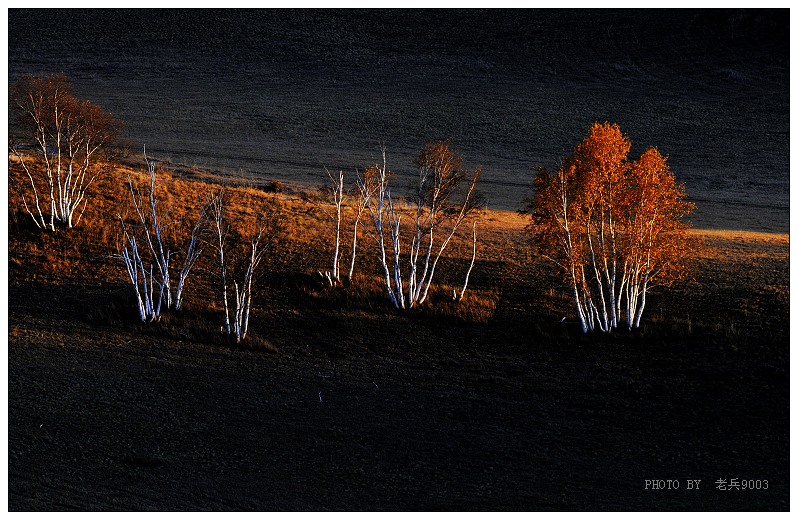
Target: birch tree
659 246
436 217
63 145
614 228
336 189
339 196
361 202
239 259
459 295
151 230
142 279
376 196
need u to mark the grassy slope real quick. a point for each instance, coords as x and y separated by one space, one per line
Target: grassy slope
339 402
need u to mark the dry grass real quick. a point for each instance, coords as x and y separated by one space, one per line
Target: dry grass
740 286
85 255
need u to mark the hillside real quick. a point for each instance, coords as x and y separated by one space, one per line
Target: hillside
339 402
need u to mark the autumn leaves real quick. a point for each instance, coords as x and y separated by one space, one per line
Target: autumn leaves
613 227
611 224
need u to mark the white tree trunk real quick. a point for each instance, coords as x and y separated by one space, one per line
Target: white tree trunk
642 305
237 327
337 186
470 267
412 291
143 287
354 248
193 252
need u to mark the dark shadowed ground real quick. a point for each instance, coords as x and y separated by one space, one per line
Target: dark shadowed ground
350 405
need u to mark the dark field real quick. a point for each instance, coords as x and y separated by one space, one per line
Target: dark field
279 94
338 402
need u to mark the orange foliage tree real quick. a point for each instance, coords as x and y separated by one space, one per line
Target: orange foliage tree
613 227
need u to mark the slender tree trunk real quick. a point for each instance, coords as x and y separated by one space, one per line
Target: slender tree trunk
224 293
642 305
395 223
611 283
354 249
471 266
335 275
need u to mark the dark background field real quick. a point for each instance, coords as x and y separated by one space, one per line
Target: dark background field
278 94
339 402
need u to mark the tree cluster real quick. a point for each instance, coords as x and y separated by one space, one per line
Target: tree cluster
613 226
152 265
240 254
153 257
444 196
71 137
